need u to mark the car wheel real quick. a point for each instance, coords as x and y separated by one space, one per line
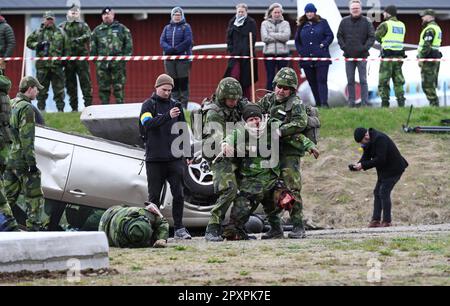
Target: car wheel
198 179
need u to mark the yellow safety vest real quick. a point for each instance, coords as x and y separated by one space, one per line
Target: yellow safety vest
395 36
437 41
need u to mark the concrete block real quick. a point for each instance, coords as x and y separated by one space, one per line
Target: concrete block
53 251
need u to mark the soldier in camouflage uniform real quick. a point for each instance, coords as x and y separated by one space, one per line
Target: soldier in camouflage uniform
226 108
258 181
430 41
7 221
391 35
134 227
21 174
111 38
78 38
284 105
49 40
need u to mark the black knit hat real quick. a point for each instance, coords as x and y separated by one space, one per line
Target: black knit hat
359 134
251 110
391 10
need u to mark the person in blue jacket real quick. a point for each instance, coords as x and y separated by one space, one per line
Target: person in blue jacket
177 39
312 39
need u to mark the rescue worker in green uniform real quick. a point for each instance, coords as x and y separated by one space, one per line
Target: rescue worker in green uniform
226 107
49 40
78 37
135 227
430 41
284 105
21 174
391 35
111 38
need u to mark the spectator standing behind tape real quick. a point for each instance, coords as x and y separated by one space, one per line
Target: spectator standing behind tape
177 39
356 35
312 39
7 41
238 43
275 33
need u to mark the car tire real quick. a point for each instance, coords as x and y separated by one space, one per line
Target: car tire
198 181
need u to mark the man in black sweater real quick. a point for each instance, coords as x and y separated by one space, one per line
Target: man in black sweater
382 153
159 114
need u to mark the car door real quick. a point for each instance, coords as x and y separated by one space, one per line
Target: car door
100 178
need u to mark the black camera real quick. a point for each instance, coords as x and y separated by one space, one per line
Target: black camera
351 167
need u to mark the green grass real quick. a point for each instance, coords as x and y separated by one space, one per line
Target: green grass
336 122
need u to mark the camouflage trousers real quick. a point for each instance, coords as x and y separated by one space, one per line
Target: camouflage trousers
291 175
430 73
225 186
29 184
111 74
388 71
246 203
55 76
80 68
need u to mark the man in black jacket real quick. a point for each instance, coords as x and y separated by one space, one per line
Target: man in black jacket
356 36
382 153
159 114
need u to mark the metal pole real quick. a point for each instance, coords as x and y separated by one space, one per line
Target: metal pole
22 74
445 93
252 69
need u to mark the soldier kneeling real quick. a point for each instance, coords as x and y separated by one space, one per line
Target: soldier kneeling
134 227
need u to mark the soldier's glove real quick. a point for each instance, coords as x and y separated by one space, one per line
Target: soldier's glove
42 45
33 169
161 243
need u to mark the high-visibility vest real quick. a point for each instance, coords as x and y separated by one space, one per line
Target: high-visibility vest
395 36
437 41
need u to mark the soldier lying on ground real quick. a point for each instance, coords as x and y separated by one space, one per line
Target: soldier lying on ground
134 227
260 181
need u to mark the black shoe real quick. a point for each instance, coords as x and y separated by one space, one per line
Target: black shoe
275 232
212 233
298 232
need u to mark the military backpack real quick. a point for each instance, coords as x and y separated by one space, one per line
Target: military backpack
198 117
312 129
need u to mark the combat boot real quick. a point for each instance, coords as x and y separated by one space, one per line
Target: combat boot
298 232
212 233
275 232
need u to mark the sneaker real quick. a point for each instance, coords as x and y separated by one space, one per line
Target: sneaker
385 224
374 223
275 232
212 233
182 233
298 232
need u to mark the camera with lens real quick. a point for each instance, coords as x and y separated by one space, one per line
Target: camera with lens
351 167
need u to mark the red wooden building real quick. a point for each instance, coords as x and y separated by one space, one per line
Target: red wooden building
146 23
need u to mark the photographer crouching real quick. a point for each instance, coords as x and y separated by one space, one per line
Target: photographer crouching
382 153
158 115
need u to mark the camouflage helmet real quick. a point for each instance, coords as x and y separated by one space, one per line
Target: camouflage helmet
5 84
286 77
228 88
138 230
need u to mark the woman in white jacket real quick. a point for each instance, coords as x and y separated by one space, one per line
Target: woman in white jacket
275 33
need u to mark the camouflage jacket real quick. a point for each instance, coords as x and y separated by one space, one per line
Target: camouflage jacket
112 40
220 115
22 123
78 38
118 222
55 36
293 122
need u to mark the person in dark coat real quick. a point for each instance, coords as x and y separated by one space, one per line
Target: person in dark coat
380 152
238 40
176 39
312 39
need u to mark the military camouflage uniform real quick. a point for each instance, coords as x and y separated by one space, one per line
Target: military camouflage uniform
49 71
5 141
111 40
390 70
21 175
291 140
429 70
78 37
224 177
133 227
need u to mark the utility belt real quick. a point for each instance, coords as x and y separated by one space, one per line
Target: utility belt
392 53
434 54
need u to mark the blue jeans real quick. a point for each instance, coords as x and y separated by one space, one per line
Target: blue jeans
318 81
